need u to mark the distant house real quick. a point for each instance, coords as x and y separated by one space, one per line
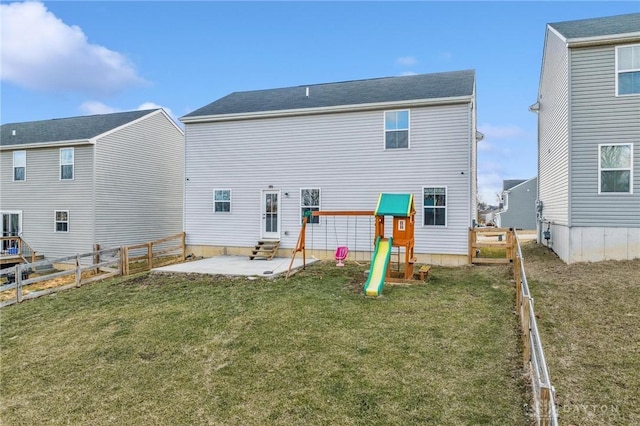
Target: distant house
110 179
257 160
589 138
518 206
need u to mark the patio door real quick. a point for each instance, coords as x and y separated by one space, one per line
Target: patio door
11 227
271 214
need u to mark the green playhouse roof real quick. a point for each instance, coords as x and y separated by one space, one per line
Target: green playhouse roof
394 205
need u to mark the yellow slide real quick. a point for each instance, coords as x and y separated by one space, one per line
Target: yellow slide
379 264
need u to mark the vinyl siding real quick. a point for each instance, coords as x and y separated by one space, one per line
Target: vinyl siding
553 135
598 116
139 182
44 192
521 206
340 153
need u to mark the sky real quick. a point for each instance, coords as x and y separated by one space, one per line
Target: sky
64 59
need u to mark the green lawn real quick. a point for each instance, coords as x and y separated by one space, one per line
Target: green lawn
172 350
590 327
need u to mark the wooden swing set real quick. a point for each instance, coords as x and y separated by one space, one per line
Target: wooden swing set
400 206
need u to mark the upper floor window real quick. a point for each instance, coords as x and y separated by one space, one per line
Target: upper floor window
221 200
310 202
628 69
615 168
434 206
62 221
396 129
66 163
19 166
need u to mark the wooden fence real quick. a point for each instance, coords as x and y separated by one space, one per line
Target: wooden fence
533 355
97 265
480 238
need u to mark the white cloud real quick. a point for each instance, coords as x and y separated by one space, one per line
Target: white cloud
153 105
501 131
95 107
408 73
40 52
406 61
490 175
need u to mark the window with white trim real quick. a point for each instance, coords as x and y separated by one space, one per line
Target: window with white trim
434 206
615 168
19 166
221 200
66 163
61 221
310 202
396 129
628 70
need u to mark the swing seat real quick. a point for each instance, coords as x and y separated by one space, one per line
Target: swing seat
341 255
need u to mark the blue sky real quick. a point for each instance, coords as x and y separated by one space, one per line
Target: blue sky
63 59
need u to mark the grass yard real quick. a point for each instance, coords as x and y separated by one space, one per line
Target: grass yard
161 349
590 328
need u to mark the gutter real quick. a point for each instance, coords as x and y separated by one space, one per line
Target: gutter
73 142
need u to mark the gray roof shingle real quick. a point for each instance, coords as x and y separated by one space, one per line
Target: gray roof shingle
388 89
65 129
596 27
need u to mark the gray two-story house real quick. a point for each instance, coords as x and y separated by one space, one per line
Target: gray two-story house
111 179
257 161
589 139
518 204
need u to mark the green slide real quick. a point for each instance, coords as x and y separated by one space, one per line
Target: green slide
379 264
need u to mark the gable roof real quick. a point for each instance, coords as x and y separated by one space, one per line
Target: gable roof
509 184
599 27
357 92
66 129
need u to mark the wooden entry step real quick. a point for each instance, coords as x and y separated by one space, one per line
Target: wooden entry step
265 249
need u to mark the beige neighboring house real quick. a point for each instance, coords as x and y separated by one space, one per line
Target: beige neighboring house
111 179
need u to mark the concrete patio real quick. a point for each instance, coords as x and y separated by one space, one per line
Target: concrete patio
236 265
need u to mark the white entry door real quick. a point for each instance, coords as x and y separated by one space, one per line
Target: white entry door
11 227
271 214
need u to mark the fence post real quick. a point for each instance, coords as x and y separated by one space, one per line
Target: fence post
150 255
545 402
96 257
184 246
78 271
18 272
517 278
470 255
526 330
125 260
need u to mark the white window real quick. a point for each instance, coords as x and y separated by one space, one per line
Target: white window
615 168
19 166
61 221
434 206
628 70
310 202
66 163
396 129
221 200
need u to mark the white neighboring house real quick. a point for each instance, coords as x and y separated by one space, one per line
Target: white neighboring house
255 161
112 179
589 138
